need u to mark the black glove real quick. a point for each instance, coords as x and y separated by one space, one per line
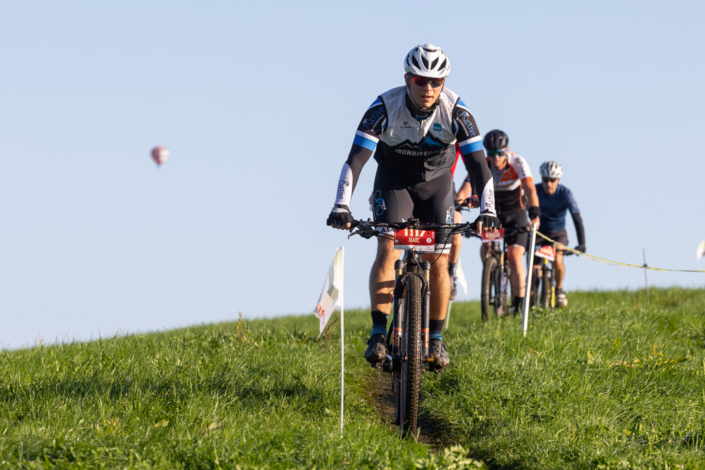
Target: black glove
473 202
488 221
339 216
534 212
580 248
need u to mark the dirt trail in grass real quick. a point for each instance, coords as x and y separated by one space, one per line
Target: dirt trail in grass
379 392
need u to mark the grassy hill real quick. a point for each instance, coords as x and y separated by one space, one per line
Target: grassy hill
609 382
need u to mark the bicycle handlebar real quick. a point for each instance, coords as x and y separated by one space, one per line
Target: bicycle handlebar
368 227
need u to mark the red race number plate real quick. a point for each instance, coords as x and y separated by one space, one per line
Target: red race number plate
418 240
496 236
546 252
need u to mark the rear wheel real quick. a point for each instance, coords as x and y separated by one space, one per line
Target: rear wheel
411 368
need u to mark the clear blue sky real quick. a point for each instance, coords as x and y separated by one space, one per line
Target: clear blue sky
258 103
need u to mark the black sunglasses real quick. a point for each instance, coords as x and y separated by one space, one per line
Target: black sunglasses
549 180
423 81
496 153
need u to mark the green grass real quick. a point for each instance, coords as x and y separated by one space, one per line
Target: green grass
607 383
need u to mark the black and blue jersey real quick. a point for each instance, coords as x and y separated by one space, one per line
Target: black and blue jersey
417 148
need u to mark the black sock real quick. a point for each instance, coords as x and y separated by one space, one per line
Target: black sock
379 323
435 329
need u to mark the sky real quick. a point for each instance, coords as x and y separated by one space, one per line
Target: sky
258 103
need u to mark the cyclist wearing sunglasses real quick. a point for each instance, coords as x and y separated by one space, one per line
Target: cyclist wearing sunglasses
511 175
412 131
555 199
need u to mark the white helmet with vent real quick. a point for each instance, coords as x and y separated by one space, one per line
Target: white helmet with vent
551 169
427 61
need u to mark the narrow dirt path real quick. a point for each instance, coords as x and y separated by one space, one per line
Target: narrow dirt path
380 396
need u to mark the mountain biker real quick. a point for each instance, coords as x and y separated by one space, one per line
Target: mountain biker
554 200
412 130
511 175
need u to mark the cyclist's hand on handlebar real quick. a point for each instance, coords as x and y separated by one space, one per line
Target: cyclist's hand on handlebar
340 217
486 222
580 248
473 202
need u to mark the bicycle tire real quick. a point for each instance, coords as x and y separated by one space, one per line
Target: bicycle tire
545 289
397 388
502 300
489 284
412 367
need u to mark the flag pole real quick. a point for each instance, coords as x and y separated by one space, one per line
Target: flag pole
527 289
342 336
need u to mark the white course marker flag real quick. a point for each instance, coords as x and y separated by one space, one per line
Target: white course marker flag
701 250
331 297
332 289
461 277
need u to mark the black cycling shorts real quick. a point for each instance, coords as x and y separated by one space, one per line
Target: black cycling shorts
429 201
561 236
512 220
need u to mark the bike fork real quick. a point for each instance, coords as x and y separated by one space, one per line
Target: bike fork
426 311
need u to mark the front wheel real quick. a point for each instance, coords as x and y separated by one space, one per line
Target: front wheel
493 295
545 288
411 368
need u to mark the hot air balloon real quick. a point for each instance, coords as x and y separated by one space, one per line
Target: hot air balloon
160 154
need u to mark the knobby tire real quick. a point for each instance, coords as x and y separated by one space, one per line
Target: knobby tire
545 289
412 367
489 284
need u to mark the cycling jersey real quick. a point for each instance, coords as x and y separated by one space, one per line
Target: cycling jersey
507 183
416 148
554 207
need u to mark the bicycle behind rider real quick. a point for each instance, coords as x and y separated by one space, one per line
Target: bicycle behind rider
511 174
554 200
412 130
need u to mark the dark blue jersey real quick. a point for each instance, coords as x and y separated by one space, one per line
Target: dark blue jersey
553 208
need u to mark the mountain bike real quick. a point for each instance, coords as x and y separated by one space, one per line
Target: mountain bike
408 334
494 291
543 289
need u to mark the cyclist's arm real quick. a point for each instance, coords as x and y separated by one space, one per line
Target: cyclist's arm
366 138
529 188
465 190
470 143
577 219
579 228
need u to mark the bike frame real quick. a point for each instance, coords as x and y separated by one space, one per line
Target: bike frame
409 267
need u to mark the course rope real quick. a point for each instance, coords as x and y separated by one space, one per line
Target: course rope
617 263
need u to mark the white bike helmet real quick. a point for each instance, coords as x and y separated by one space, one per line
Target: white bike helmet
551 169
427 61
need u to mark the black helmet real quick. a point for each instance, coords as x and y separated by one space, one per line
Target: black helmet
495 140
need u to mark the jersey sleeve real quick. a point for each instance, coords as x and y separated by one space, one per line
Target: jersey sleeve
521 167
470 144
571 202
365 141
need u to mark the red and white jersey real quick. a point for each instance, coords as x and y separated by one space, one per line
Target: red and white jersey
507 182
